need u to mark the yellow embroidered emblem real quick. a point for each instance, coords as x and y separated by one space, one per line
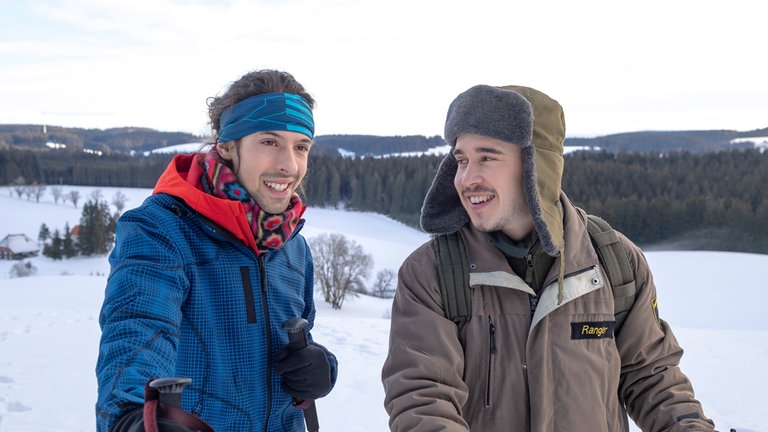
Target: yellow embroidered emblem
655 307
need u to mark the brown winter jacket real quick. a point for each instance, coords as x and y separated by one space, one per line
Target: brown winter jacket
558 370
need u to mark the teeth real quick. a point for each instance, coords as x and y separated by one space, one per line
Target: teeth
277 186
479 199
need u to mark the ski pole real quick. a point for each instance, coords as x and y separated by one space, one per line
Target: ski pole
162 399
297 339
169 389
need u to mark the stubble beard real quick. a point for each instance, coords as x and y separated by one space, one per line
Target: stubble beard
269 203
509 216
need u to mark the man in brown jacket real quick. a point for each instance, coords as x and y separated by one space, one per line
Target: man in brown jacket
539 352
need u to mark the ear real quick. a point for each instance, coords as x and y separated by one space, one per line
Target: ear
226 150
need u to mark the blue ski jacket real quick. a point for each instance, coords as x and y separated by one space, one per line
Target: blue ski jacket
188 295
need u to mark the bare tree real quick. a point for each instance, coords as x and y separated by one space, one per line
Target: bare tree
383 286
118 200
57 191
29 191
38 189
341 267
74 196
96 195
19 186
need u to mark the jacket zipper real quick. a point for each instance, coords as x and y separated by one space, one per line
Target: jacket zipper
491 352
534 302
528 397
529 269
263 271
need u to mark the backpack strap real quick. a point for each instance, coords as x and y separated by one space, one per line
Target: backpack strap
454 276
453 271
614 259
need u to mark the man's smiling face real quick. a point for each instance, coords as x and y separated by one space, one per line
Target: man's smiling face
270 165
489 180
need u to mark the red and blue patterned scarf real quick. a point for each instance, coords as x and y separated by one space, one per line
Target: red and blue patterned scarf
270 230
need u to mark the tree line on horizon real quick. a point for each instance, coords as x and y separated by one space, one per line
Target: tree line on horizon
129 140
709 201
106 141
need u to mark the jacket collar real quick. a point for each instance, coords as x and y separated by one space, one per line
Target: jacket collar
179 179
578 251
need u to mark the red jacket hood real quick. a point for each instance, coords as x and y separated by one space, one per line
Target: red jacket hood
180 179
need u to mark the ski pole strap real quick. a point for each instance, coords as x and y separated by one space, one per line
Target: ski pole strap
150 414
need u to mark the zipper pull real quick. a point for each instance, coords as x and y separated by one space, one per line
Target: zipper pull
529 269
492 334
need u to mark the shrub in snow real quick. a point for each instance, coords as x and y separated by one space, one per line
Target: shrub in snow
23 269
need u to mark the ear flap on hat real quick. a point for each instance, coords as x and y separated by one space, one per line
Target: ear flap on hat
544 166
442 211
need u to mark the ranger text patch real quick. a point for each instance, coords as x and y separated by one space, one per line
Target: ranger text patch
592 330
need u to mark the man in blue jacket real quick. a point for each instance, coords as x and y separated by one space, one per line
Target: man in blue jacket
208 268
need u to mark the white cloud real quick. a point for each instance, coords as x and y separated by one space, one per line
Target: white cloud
386 68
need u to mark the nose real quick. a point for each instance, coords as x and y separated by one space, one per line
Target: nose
286 161
469 174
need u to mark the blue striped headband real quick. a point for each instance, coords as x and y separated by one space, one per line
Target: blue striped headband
267 112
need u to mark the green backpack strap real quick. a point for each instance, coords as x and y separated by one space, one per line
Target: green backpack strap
454 276
614 259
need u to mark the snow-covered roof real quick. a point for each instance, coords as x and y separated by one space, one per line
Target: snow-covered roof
19 243
760 143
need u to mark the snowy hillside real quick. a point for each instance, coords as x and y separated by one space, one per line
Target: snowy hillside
49 331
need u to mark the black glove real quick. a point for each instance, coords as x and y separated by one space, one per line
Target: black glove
306 372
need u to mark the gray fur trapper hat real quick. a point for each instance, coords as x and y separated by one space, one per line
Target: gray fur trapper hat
518 115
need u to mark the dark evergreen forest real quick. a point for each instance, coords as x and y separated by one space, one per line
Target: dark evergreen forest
712 201
79 168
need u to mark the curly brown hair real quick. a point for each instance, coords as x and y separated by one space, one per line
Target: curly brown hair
251 84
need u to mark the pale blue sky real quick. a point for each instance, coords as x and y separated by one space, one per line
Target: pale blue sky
386 67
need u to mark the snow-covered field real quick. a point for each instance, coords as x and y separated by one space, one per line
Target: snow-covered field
49 329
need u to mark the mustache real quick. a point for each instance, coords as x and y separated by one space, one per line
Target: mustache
478 189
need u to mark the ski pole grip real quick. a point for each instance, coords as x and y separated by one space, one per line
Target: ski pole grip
297 338
169 389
